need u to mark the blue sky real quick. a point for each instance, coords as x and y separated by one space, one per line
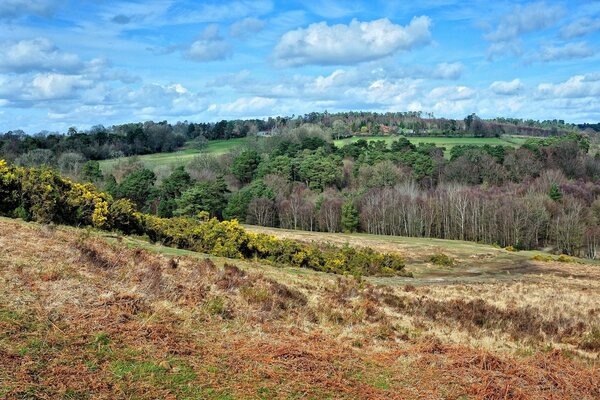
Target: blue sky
81 63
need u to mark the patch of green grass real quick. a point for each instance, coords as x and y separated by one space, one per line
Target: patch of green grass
374 376
176 158
72 394
218 394
34 347
173 375
447 142
216 306
102 339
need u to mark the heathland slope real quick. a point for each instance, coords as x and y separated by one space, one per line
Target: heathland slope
90 315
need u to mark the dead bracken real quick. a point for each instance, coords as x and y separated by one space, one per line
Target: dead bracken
120 321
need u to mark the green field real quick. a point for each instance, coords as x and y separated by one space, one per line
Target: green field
177 158
217 147
447 142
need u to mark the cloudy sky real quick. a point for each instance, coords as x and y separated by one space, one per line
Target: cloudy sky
81 63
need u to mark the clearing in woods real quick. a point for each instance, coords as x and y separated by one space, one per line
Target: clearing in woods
86 314
218 147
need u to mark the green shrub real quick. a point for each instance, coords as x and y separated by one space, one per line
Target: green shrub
21 212
565 259
442 260
541 257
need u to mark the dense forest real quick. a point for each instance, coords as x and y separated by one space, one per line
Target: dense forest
544 194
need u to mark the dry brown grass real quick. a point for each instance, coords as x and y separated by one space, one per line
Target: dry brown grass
83 318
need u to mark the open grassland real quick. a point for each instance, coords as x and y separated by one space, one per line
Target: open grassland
217 147
93 315
177 158
447 142
470 261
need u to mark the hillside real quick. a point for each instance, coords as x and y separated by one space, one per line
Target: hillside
471 262
85 314
219 147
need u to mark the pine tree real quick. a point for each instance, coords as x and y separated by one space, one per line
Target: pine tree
555 193
349 217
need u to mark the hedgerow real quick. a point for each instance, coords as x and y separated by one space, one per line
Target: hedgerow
44 196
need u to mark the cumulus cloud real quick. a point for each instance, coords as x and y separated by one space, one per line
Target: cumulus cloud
507 87
577 86
55 86
356 42
10 9
246 27
210 46
580 27
36 55
22 89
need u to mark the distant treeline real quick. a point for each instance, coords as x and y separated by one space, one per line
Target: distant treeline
100 143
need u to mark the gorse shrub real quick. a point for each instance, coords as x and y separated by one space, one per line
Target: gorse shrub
442 259
44 196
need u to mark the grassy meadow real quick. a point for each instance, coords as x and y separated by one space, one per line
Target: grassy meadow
217 147
177 158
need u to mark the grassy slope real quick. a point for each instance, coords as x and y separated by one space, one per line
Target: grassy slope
96 315
474 262
223 146
177 158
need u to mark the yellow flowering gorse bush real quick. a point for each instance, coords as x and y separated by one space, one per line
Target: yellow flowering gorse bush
44 196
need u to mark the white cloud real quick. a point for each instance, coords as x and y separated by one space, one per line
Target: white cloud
55 86
454 93
36 55
25 89
507 87
566 52
525 19
577 86
336 79
210 46
448 71
580 27
322 44
253 106
246 26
